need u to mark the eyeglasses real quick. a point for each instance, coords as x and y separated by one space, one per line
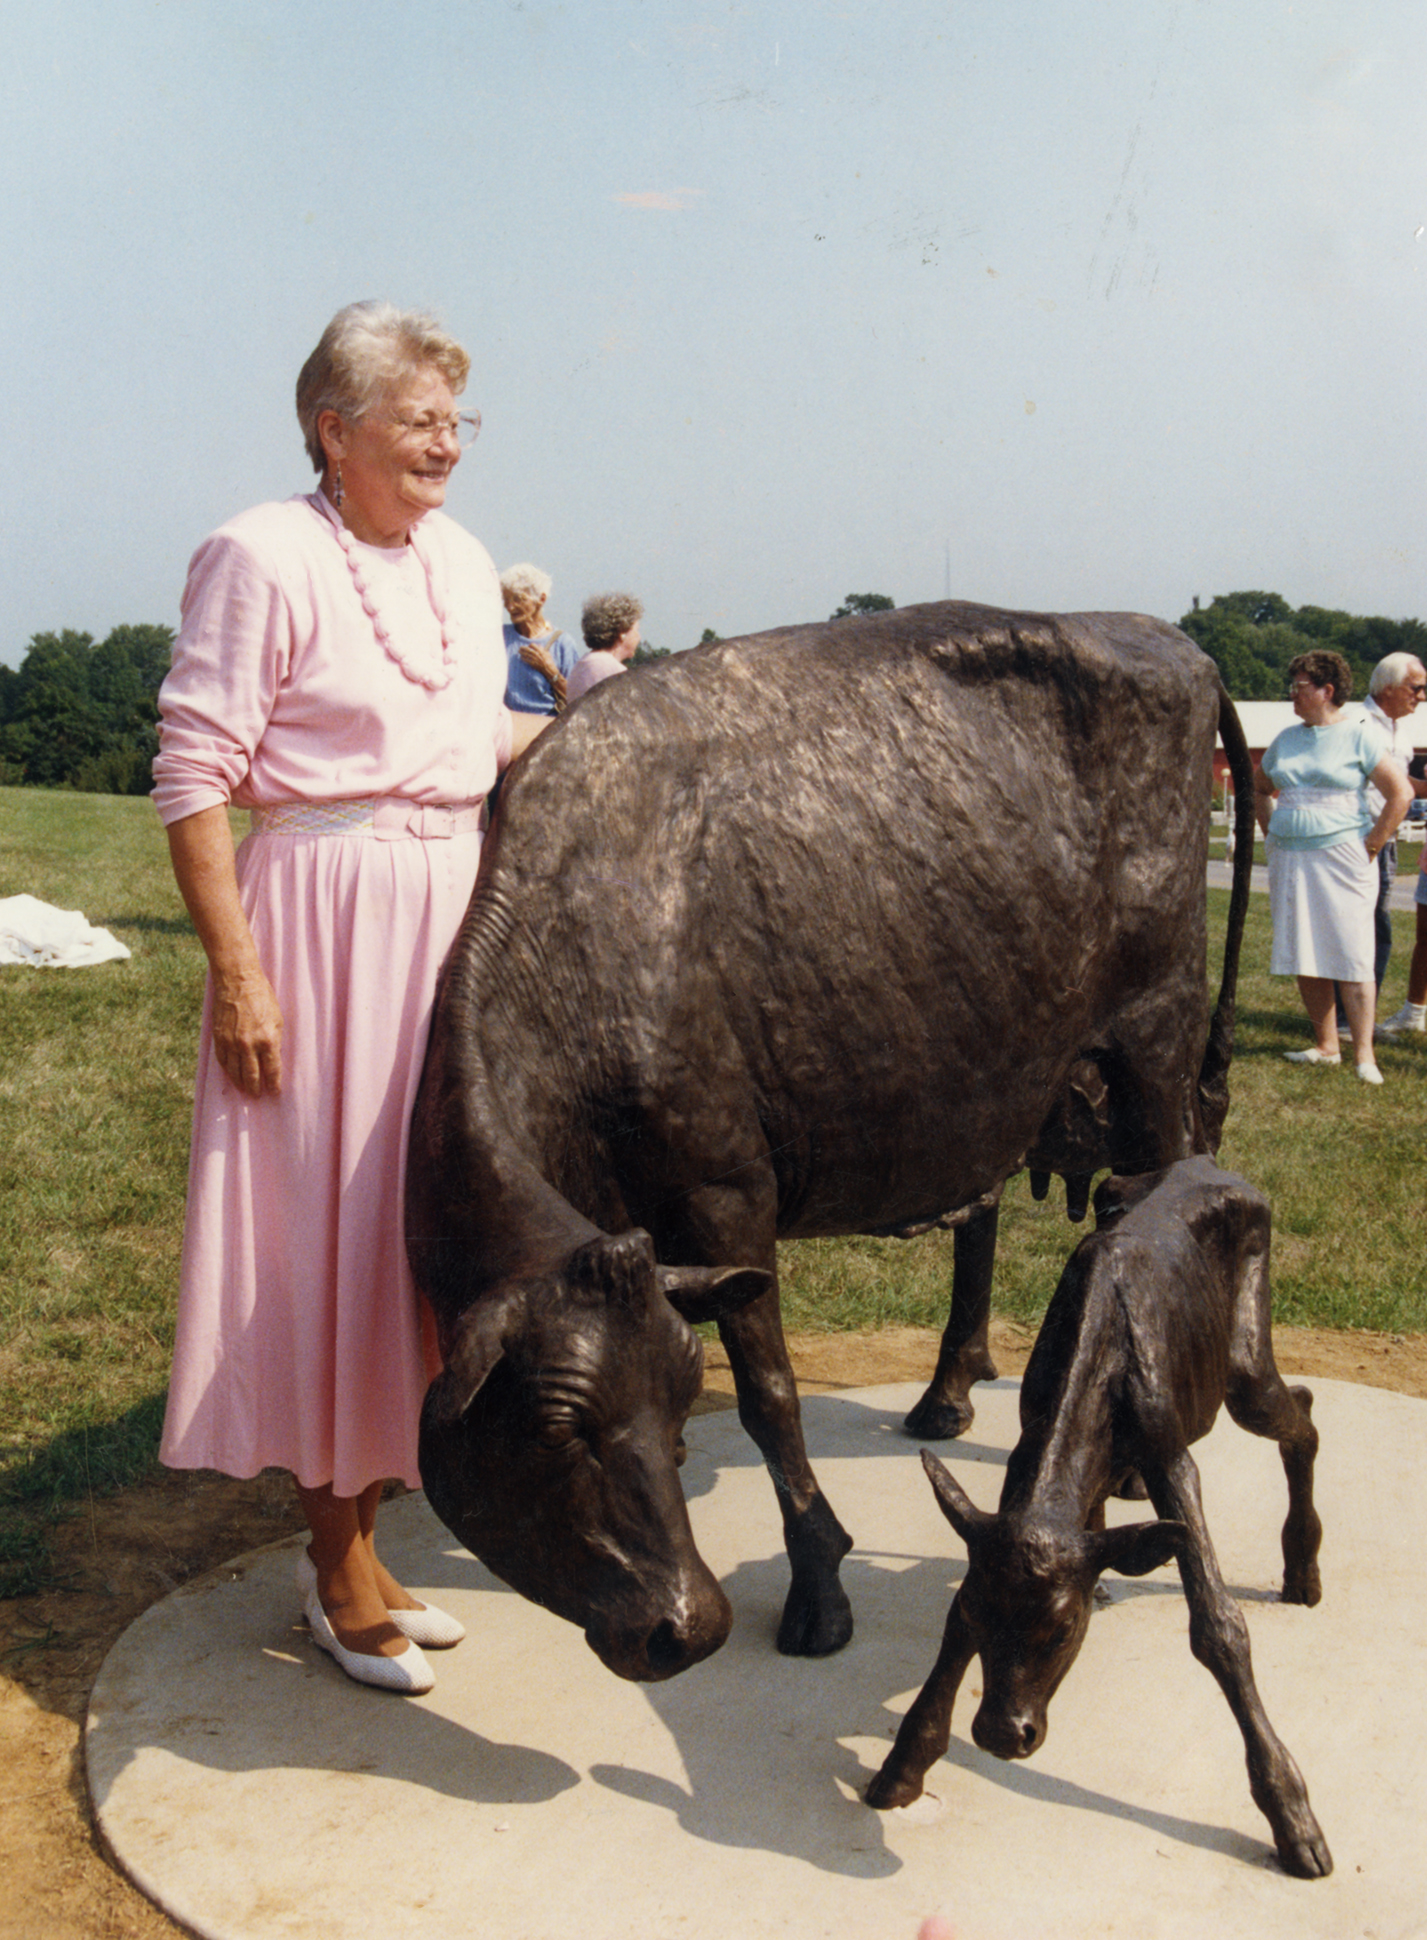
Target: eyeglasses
1294 685
465 430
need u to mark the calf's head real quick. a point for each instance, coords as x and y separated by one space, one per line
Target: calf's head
1026 1599
550 1447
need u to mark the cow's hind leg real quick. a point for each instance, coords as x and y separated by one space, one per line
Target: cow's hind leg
1219 1638
817 1617
945 1410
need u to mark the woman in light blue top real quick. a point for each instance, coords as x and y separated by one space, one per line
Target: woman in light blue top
1323 843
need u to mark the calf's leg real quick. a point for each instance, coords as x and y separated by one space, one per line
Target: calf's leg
945 1410
1219 1638
1282 1414
925 1732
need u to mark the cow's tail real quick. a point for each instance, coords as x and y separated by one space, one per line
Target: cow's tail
1213 1085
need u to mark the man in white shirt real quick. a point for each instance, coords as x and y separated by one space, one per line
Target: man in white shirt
1398 683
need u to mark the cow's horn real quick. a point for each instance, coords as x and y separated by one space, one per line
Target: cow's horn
955 1504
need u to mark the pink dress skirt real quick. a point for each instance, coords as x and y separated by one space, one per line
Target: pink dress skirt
302 1342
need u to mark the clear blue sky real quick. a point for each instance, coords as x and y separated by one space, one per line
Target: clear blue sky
1073 303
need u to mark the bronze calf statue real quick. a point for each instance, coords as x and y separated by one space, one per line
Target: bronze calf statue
1161 1314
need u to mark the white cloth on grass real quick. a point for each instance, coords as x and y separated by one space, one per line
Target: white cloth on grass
47 938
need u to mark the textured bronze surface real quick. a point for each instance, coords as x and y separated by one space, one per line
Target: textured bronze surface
829 930
1161 1315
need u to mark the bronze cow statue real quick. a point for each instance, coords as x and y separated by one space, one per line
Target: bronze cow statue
829 930
1161 1315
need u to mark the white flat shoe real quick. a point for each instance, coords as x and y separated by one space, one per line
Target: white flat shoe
433 1629
408 1674
1313 1056
1370 1074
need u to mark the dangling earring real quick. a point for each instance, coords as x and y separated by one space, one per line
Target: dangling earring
337 493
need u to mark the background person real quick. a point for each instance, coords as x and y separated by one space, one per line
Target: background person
1397 683
339 672
1413 1014
610 624
539 657
1323 851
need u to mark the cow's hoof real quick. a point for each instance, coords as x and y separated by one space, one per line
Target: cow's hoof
887 1792
935 1420
1303 1585
1306 1858
815 1625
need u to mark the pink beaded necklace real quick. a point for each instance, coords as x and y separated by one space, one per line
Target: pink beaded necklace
435 680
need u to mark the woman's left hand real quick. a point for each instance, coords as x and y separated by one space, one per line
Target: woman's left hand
534 655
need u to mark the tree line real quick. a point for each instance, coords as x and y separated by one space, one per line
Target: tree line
81 714
77 714
1252 637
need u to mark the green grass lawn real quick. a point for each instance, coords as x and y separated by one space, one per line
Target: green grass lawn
95 1093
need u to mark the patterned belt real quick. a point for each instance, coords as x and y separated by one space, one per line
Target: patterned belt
1347 799
387 817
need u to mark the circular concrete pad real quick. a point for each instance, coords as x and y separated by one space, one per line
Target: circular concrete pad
257 1794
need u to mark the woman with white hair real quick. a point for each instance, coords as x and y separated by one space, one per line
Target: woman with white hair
539 657
338 673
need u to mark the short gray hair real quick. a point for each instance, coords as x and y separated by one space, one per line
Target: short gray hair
606 616
1392 670
365 350
526 583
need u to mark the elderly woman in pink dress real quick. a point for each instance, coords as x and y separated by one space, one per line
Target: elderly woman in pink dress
340 673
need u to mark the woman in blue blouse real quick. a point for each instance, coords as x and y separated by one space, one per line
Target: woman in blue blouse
1322 853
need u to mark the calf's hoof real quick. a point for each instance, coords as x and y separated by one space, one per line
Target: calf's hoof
889 1790
1303 1584
1306 1857
935 1420
815 1623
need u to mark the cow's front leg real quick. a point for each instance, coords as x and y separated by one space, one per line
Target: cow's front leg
945 1410
817 1617
1219 1638
925 1732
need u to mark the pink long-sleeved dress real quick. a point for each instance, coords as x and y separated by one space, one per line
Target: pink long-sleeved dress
302 1342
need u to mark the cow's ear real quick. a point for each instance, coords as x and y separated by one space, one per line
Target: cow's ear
711 1292
969 1522
1136 1548
479 1344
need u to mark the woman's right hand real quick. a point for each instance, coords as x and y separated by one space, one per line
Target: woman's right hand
247 1033
247 1023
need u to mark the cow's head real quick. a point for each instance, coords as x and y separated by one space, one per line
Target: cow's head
549 1446
1026 1600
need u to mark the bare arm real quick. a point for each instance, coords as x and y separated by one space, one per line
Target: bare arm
247 1024
534 655
1396 792
525 728
1264 793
